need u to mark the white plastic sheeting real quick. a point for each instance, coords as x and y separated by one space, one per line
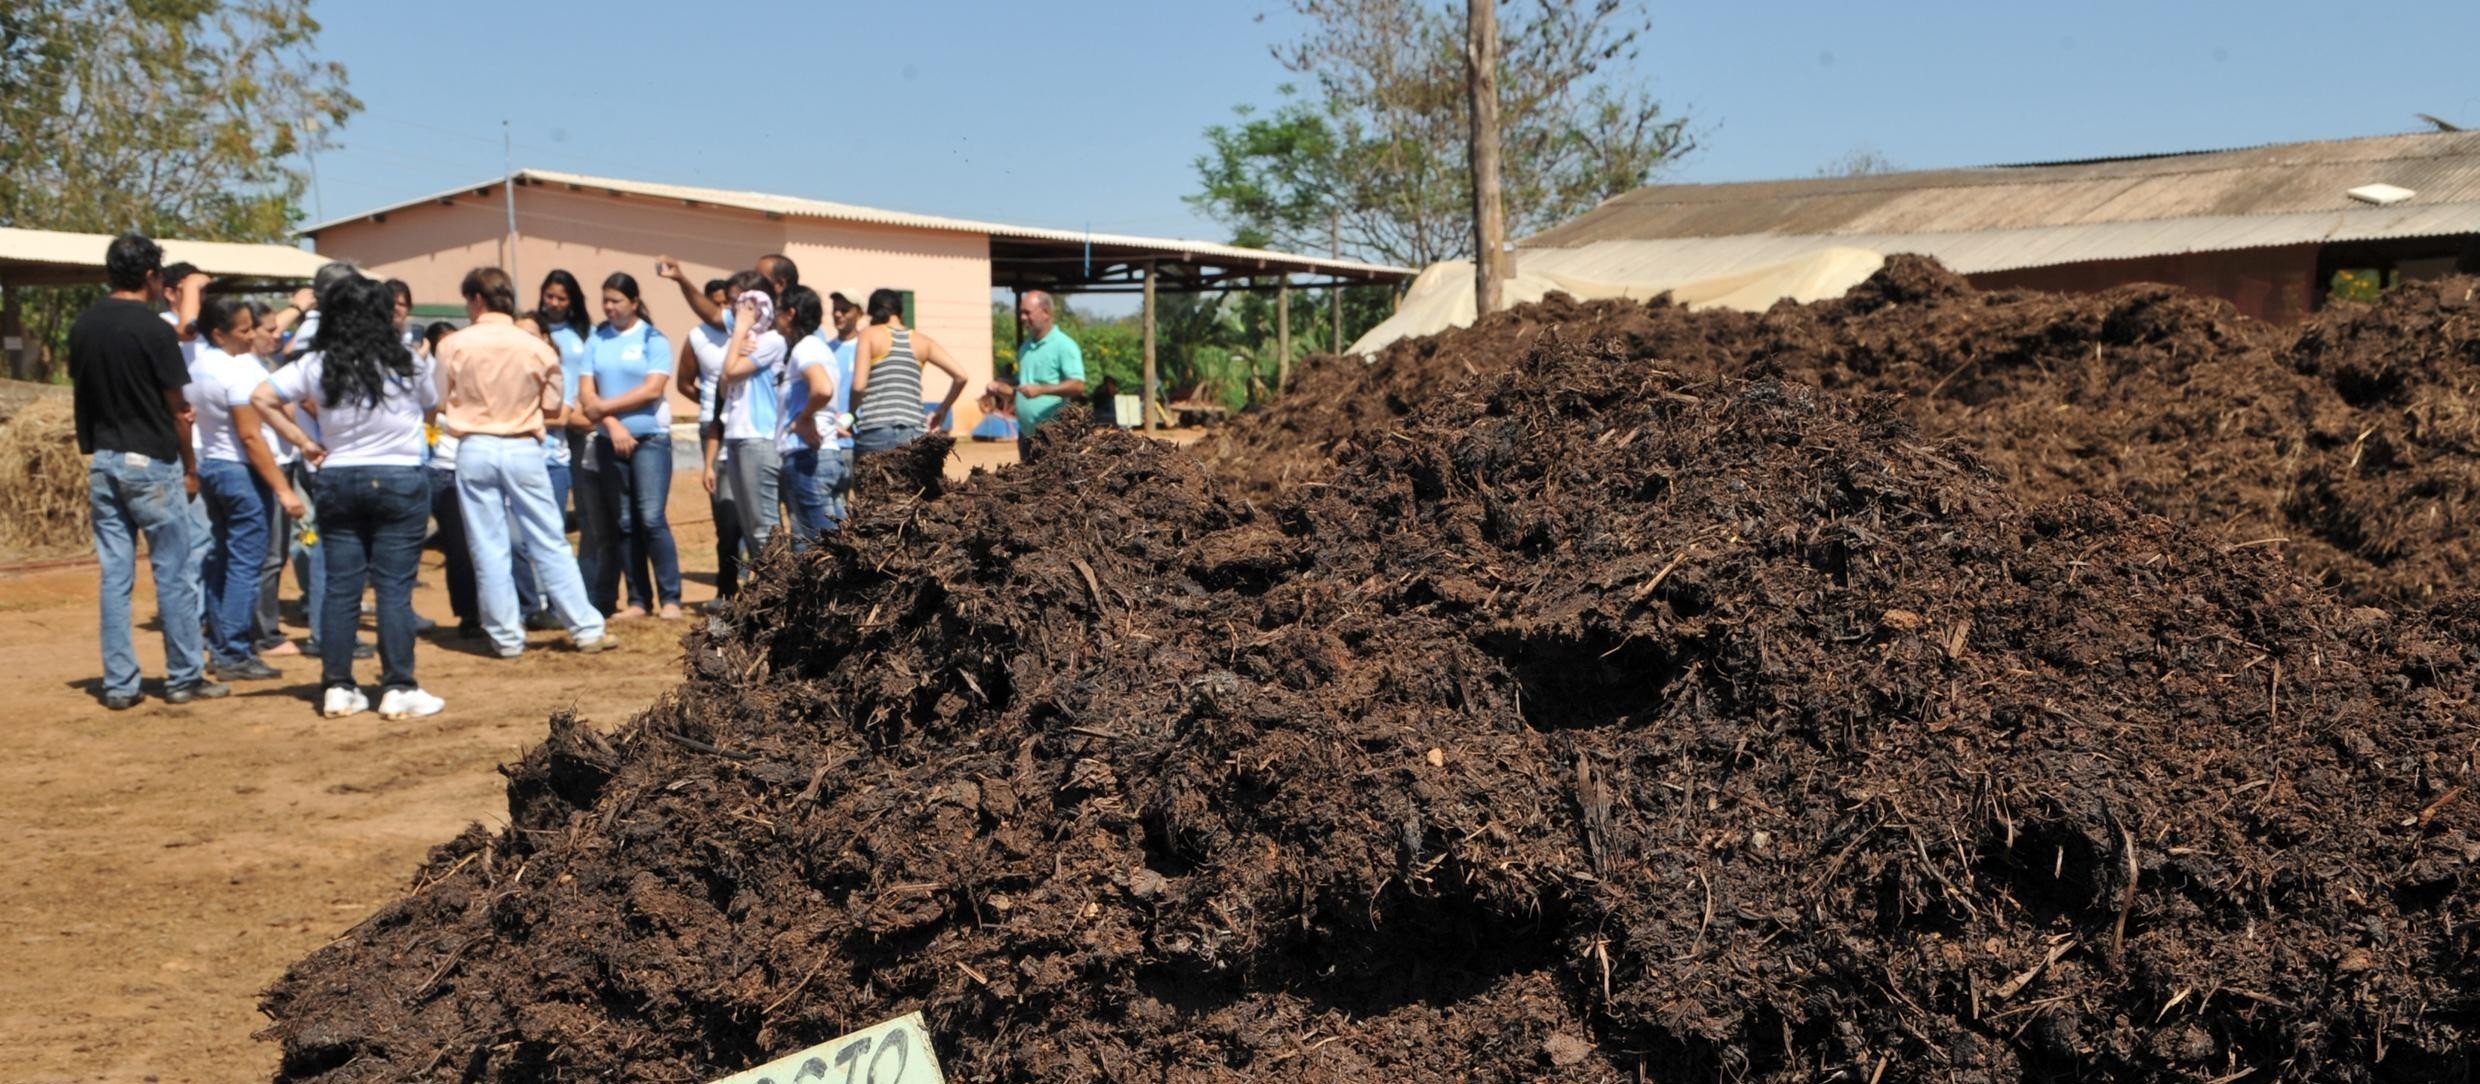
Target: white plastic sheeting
1442 296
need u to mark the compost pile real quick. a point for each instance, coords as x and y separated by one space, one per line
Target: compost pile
1596 723
2349 445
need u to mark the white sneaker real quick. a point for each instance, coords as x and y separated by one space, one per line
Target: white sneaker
343 702
508 652
596 645
409 704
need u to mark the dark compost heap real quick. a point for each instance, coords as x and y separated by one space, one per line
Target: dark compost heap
1594 722
2350 444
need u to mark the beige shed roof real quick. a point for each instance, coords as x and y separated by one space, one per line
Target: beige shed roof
49 257
1998 218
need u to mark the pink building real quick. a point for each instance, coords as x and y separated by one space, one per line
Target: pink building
593 226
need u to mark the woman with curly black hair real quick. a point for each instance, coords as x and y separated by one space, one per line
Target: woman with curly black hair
372 497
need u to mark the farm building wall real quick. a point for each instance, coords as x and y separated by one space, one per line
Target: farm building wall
2275 284
593 234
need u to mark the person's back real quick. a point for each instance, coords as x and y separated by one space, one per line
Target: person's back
127 374
891 398
121 359
358 432
496 379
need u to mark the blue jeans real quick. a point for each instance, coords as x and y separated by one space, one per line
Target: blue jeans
816 484
130 495
237 500
635 492
504 484
530 595
370 525
309 561
885 440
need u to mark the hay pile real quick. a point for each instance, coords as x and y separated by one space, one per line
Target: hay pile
43 504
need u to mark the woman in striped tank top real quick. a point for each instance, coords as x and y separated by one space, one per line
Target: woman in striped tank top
887 379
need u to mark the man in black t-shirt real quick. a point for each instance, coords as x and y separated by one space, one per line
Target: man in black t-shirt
125 363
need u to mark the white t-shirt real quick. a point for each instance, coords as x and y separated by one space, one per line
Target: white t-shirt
218 382
708 342
358 435
810 352
284 451
443 450
750 406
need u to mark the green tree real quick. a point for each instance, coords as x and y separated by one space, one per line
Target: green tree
185 117
178 118
1373 150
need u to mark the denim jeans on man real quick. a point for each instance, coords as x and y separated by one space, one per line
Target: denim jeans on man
236 499
816 484
530 595
636 490
370 529
131 495
504 486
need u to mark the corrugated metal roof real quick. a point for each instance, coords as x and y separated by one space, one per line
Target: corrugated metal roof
51 255
1686 259
2284 179
799 207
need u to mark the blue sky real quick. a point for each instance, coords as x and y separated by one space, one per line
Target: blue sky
1090 113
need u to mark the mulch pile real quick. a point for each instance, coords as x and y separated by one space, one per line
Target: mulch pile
1601 720
2350 445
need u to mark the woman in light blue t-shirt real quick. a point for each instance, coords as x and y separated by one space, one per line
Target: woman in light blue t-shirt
628 371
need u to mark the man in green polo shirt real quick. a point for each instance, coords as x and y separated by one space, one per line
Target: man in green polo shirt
1050 369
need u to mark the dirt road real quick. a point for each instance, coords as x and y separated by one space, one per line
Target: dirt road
165 864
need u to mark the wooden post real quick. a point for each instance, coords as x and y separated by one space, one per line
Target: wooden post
1334 289
1152 381
1489 219
1282 334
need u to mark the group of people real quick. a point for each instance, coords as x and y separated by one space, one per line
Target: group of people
331 435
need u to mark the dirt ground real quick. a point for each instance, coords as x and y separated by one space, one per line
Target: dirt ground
168 862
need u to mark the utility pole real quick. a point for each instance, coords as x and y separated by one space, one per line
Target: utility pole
1334 290
1489 216
508 185
1153 381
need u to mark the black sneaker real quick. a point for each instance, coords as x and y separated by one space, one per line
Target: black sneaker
470 630
122 701
197 690
249 670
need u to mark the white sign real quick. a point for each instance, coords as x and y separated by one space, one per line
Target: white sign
896 1052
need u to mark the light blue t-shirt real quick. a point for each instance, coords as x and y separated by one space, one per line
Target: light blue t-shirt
572 347
620 361
1052 359
844 349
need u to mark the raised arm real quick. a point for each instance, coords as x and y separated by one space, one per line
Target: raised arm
705 309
